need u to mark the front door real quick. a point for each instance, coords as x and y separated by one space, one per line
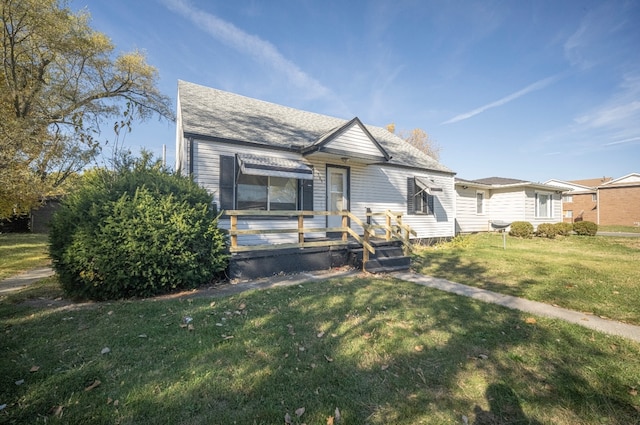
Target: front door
337 193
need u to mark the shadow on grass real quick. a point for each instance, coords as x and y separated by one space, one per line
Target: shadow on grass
380 350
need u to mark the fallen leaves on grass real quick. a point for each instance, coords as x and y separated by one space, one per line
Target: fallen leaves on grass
95 384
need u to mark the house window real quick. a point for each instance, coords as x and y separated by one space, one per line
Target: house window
250 182
544 205
567 198
594 197
479 202
568 214
419 199
266 193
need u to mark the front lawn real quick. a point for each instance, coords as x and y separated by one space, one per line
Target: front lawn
378 350
22 251
597 275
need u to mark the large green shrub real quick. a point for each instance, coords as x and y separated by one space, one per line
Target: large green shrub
585 228
521 229
563 229
546 230
137 231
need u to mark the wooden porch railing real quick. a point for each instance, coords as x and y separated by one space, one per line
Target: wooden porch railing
392 229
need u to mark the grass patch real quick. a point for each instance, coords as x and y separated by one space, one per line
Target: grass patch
623 229
22 251
598 274
380 350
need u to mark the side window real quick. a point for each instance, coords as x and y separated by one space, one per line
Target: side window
419 200
479 203
544 205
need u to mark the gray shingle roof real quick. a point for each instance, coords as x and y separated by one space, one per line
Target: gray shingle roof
499 181
210 112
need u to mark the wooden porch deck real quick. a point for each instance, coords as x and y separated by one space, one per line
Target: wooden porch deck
380 247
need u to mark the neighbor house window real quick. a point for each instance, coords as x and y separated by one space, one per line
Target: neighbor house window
568 214
543 205
420 199
479 202
594 197
567 198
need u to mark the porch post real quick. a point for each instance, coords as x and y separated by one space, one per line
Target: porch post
300 229
344 226
388 222
233 219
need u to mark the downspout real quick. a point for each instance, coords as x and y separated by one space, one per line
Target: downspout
598 206
190 149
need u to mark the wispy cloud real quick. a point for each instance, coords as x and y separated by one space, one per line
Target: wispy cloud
260 50
620 142
538 85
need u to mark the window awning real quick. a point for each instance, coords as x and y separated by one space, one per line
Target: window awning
276 167
426 187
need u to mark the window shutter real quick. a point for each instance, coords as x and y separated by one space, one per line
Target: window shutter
227 181
411 185
306 192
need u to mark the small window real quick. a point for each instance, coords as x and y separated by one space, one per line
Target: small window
567 198
568 214
544 205
594 197
479 202
420 200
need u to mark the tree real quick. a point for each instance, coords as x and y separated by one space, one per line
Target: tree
60 84
418 138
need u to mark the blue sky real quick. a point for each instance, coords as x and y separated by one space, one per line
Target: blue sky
521 89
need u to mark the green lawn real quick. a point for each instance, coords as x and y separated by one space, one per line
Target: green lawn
590 274
22 251
382 351
624 229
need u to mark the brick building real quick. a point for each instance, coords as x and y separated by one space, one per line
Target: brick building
604 201
619 201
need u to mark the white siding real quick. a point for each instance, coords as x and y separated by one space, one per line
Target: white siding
355 141
467 218
372 186
556 205
206 172
385 188
507 205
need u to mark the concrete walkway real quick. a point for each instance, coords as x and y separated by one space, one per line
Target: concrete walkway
533 307
16 283
587 320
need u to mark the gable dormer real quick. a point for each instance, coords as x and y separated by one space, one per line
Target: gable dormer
351 140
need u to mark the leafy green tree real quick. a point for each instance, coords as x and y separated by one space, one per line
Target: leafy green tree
60 84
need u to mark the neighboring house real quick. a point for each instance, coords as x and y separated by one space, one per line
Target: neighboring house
479 203
256 155
604 201
580 201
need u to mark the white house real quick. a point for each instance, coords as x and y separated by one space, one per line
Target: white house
258 155
491 203
255 156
